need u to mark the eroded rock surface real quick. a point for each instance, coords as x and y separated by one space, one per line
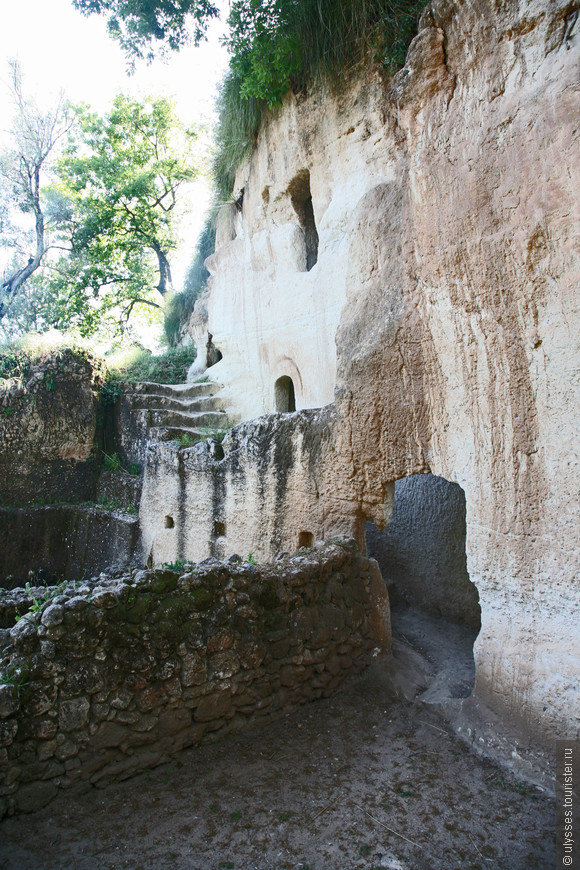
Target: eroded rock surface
48 428
446 210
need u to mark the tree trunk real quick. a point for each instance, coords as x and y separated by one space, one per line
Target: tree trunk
17 279
165 282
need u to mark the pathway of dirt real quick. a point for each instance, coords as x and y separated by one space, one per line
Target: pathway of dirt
349 783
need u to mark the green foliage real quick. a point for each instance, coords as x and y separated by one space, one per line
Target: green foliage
15 365
18 678
281 44
105 225
264 47
18 358
142 25
179 566
274 45
205 433
186 440
120 176
37 603
180 306
35 308
278 44
49 381
113 462
111 392
238 124
140 365
216 433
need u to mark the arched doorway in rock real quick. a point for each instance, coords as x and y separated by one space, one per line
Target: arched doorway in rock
434 604
284 395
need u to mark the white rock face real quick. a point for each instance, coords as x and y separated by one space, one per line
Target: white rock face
441 316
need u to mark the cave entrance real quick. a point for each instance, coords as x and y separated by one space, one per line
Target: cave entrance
284 396
434 605
301 199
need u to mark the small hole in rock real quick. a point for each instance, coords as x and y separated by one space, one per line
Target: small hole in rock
169 523
305 539
219 529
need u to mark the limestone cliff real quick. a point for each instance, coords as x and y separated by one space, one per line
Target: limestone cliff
408 249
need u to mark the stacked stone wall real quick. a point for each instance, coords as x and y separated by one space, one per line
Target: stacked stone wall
108 679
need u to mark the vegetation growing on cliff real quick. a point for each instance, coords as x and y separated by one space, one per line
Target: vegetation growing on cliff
274 45
180 306
17 359
136 365
280 45
109 208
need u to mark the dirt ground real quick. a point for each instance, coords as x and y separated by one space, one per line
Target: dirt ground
358 781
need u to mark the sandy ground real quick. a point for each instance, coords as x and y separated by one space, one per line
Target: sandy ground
361 780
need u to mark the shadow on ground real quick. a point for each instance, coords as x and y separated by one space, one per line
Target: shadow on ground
366 779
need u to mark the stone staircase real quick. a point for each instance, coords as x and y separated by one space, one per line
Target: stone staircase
168 412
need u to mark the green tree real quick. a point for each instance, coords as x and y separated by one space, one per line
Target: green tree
104 228
121 176
141 26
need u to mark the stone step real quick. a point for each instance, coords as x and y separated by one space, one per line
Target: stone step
186 404
194 420
177 391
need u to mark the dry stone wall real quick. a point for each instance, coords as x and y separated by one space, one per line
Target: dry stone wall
100 682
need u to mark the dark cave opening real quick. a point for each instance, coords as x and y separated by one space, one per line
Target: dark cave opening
434 604
301 199
284 395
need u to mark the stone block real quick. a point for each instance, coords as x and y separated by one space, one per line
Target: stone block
73 714
224 664
9 702
35 796
213 707
109 735
44 729
8 731
174 720
151 698
193 670
52 616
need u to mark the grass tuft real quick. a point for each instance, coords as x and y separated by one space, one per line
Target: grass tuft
136 365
